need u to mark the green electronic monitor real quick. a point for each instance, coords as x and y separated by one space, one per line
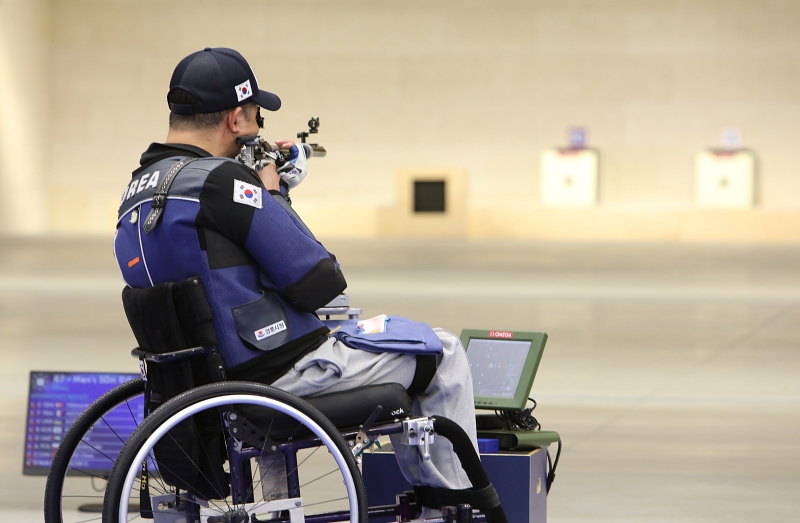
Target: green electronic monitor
503 365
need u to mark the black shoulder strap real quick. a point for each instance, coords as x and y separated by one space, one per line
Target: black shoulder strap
423 374
160 197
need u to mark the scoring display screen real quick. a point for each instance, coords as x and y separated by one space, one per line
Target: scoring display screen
496 366
56 399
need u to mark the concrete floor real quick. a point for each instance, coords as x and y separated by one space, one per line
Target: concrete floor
671 371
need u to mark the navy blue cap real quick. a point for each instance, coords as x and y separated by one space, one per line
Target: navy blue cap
219 79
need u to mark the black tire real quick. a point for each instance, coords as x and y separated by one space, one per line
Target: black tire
259 404
75 440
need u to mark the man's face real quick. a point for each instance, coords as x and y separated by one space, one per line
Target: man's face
252 117
247 123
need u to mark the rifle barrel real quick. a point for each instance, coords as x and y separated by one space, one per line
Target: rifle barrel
318 151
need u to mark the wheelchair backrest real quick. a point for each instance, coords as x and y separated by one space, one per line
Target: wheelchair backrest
171 317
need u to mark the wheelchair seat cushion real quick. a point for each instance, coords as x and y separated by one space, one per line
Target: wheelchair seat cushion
351 408
345 409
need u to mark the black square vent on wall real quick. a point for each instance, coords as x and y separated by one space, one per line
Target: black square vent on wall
429 196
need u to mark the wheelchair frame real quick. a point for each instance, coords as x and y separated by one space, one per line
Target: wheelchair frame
418 431
242 440
354 441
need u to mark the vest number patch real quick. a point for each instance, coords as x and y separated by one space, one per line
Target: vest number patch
269 330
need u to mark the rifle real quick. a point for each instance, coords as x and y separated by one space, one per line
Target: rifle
257 152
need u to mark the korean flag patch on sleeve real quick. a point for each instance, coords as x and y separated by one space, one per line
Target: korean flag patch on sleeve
247 194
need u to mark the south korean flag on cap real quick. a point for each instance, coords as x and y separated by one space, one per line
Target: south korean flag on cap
243 90
246 194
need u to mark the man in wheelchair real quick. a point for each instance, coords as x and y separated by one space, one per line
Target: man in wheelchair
196 225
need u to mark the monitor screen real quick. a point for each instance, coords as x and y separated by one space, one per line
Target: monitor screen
497 366
503 365
55 400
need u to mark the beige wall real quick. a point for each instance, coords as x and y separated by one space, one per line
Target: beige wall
479 87
24 93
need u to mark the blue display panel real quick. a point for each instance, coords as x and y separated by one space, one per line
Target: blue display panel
56 399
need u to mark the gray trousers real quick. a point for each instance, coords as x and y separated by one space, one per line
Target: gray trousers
334 367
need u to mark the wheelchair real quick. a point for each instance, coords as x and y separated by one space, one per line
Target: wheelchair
210 450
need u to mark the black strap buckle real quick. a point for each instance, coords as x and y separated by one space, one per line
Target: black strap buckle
159 200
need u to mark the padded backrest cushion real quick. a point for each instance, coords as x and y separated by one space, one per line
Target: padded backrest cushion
170 316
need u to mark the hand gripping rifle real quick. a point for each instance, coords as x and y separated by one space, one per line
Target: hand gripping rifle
257 152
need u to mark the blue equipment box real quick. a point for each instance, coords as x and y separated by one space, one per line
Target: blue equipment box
488 445
520 478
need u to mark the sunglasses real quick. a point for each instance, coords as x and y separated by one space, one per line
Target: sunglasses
259 119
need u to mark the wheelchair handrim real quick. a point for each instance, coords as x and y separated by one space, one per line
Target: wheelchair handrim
246 399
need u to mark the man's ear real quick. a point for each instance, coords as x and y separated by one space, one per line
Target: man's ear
234 120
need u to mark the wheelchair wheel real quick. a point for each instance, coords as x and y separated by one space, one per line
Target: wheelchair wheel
315 471
87 453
